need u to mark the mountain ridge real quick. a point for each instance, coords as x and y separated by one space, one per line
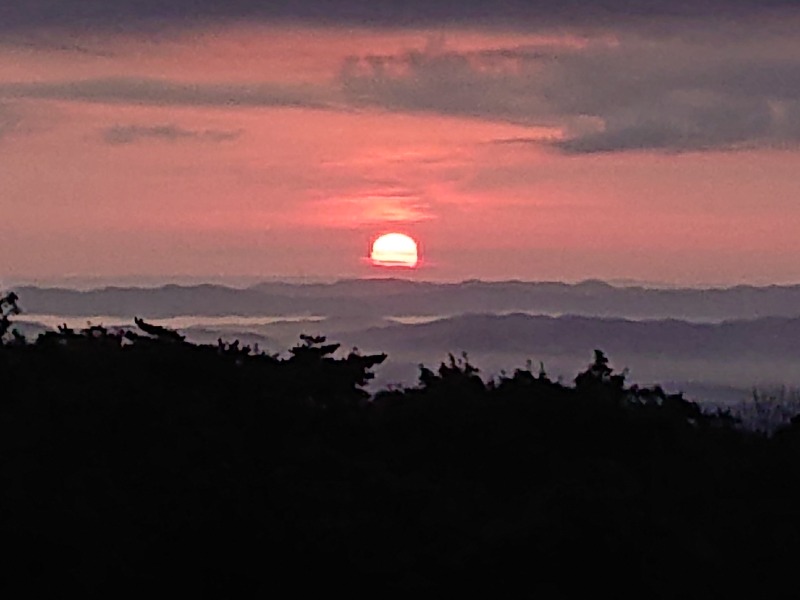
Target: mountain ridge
391 296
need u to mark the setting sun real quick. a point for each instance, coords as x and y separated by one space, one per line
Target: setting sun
394 250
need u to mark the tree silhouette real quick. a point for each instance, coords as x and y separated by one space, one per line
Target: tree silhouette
600 373
134 459
162 333
8 307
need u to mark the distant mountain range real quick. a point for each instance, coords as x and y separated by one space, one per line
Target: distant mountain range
726 339
574 335
371 298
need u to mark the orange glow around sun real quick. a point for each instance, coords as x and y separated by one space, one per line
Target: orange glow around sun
394 250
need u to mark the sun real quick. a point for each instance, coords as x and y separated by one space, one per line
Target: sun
394 250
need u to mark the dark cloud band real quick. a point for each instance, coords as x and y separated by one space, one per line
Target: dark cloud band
626 96
124 14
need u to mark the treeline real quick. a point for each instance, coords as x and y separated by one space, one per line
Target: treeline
133 461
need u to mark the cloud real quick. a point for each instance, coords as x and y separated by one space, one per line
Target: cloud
486 84
623 94
128 134
713 125
169 93
154 14
692 90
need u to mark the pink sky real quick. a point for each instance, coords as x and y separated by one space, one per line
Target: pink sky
266 151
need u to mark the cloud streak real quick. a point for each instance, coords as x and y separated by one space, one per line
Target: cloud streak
377 207
161 92
129 134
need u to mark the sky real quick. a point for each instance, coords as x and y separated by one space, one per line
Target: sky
620 140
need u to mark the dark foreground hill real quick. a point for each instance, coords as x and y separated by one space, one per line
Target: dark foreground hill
136 462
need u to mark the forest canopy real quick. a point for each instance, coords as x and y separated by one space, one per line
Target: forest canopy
131 459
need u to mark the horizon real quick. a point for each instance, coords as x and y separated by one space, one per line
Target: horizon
79 283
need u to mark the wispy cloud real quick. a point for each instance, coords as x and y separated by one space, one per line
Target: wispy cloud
372 207
171 93
129 134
